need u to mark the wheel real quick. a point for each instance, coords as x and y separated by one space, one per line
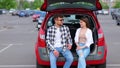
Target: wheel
33 20
101 65
118 24
40 66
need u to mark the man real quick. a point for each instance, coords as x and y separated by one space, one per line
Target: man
59 40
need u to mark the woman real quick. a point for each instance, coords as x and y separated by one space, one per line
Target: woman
83 39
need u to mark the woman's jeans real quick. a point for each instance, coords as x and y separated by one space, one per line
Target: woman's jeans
83 53
67 54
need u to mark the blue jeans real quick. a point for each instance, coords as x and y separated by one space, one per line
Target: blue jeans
83 53
67 54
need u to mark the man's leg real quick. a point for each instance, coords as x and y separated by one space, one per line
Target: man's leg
69 58
53 60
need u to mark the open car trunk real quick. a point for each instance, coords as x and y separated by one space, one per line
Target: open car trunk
72 21
50 5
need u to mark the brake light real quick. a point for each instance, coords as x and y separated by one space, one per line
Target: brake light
101 41
100 35
42 36
99 52
98 5
44 5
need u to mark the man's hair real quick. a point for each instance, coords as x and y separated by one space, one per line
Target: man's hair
56 16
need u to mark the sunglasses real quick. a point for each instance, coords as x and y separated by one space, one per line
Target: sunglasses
61 20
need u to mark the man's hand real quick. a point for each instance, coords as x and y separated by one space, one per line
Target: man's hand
56 53
69 46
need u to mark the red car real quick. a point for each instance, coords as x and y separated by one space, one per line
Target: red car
36 15
72 11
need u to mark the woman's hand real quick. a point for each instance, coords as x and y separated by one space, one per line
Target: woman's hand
78 48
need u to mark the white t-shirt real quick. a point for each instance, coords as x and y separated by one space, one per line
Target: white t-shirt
58 38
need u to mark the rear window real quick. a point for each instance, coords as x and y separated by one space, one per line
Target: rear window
73 20
75 3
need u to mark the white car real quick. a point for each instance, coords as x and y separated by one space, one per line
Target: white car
105 12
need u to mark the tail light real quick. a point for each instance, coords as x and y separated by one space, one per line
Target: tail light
98 5
101 40
44 5
41 38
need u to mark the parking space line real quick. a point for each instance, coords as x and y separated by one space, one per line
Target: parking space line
14 66
2 30
113 65
6 48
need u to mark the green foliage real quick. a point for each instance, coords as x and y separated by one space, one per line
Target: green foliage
8 4
117 4
22 4
37 4
104 5
26 4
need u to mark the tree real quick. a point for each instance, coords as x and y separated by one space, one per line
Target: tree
104 5
37 4
117 4
8 4
26 4
0 4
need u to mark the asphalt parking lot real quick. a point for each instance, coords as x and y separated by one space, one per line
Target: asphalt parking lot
18 37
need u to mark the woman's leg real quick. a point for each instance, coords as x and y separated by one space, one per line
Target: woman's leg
82 56
81 59
86 52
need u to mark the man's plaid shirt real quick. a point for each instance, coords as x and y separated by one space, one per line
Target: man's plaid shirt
65 35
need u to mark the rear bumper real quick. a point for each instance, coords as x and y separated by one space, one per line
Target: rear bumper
42 56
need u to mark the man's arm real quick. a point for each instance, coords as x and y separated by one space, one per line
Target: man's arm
69 39
50 46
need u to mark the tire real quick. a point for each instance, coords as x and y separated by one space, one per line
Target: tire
118 24
40 66
101 65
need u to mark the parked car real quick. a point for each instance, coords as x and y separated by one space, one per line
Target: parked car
11 11
22 13
105 12
0 11
15 13
40 19
113 13
29 12
99 12
36 15
3 11
72 10
118 17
